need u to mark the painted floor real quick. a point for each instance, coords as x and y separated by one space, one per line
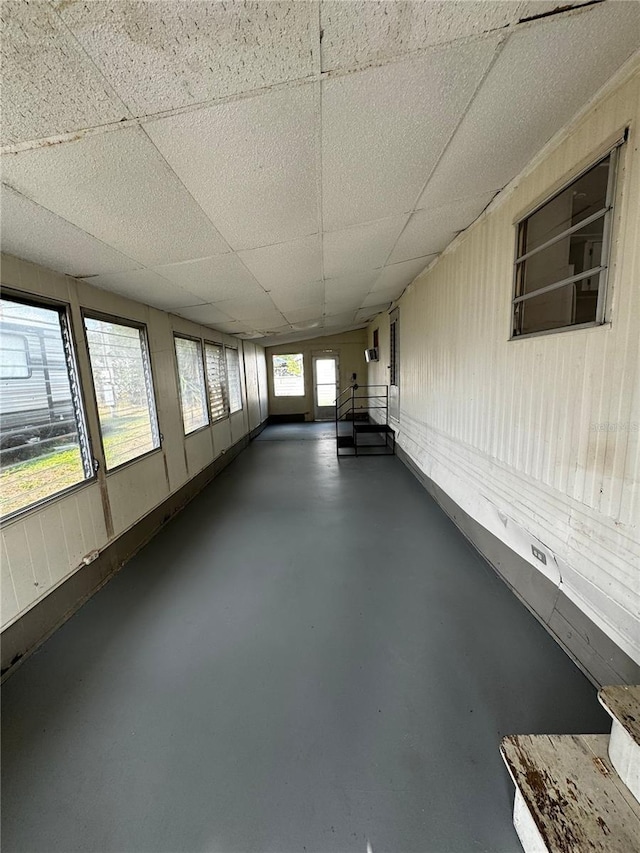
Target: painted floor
309 658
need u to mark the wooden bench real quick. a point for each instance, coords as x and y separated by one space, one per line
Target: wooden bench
623 704
569 798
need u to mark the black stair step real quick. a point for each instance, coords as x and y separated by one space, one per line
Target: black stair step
372 428
345 441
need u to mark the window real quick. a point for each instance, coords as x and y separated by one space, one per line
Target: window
233 377
193 397
288 375
124 391
394 374
562 255
216 380
376 336
43 441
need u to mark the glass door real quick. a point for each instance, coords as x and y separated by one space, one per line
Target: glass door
325 386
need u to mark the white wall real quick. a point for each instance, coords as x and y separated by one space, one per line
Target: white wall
43 547
516 432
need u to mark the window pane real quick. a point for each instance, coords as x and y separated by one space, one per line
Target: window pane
124 393
579 200
571 255
43 447
288 375
233 378
216 380
192 391
567 306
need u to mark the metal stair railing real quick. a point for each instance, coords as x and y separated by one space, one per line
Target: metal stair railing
348 408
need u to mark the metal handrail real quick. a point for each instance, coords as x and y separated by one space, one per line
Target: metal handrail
342 414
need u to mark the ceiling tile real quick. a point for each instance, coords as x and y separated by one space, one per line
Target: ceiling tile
146 286
361 247
250 164
49 86
383 130
400 275
208 315
425 234
344 318
367 314
33 232
299 297
361 31
159 56
341 305
249 308
350 285
117 187
542 77
213 279
232 327
378 296
285 264
304 315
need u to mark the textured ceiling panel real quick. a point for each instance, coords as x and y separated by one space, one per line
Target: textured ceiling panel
48 85
342 304
248 308
213 279
362 31
162 55
360 247
367 314
146 286
544 74
425 234
352 285
208 315
30 231
116 187
250 164
285 264
346 318
299 297
400 275
378 296
303 315
430 231
384 129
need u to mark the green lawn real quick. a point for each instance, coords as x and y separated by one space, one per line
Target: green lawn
28 482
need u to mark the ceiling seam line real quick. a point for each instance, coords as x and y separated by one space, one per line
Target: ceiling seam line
90 59
77 228
212 223
498 50
72 135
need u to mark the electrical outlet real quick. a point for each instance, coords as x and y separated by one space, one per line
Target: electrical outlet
539 555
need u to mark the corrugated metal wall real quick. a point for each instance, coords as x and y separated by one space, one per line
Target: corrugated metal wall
43 548
537 438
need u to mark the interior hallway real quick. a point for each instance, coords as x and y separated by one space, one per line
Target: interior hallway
309 657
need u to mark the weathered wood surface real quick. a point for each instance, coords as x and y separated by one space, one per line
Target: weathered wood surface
623 703
574 795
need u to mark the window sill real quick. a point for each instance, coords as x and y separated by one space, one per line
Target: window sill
577 328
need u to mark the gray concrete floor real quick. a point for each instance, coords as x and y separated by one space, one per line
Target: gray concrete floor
308 658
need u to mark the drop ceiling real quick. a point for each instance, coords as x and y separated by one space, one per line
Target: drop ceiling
279 170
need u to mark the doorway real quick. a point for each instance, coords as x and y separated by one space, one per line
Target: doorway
325 386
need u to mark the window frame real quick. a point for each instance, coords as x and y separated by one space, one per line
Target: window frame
227 411
275 355
607 213
197 340
88 313
226 367
69 343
